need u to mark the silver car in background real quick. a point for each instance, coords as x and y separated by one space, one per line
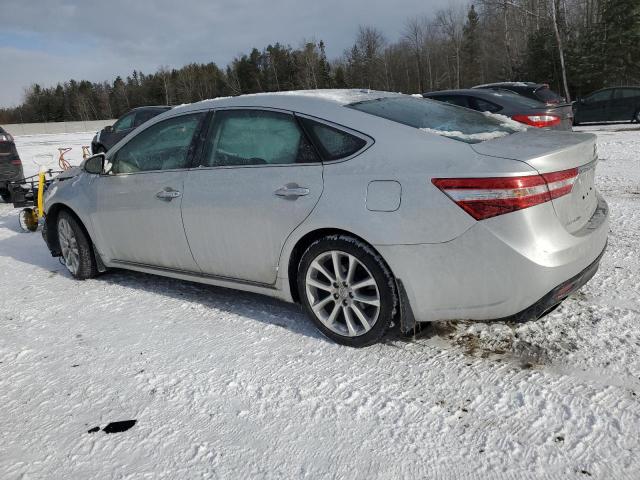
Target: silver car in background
368 208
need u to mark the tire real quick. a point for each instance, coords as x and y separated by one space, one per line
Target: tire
636 117
355 308
6 196
99 149
76 248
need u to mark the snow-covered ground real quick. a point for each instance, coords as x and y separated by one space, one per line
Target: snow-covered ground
232 385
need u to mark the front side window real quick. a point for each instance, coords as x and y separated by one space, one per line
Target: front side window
125 123
163 146
457 123
334 144
255 137
602 96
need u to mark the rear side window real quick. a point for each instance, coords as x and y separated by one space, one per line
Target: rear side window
334 144
546 95
440 118
256 137
626 93
484 106
454 100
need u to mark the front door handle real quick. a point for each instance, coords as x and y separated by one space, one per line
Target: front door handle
168 194
292 190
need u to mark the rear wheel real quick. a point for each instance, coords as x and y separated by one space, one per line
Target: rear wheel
6 196
347 290
75 247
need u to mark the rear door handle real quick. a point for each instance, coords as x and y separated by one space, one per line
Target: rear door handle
292 190
168 194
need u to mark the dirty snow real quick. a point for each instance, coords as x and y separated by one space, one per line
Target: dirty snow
232 385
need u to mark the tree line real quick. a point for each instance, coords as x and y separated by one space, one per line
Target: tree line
576 46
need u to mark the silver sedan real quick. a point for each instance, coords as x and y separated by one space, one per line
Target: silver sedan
371 209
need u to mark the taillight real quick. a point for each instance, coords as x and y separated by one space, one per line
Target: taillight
16 161
492 196
539 121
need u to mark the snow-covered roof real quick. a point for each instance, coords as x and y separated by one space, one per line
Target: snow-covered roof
333 96
504 84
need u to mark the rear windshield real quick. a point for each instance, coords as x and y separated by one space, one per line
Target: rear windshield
547 95
440 118
512 97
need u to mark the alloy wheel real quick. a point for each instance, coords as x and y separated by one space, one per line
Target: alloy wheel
69 246
342 293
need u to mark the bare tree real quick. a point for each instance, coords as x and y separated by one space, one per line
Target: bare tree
451 22
563 69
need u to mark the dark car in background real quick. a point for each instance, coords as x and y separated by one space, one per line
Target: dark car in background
504 102
618 104
10 164
110 135
536 91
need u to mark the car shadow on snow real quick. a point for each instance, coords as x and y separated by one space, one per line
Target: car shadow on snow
32 251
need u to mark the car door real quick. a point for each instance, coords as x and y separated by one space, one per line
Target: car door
595 108
257 179
623 107
137 218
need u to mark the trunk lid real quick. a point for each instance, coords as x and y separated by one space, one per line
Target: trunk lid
548 152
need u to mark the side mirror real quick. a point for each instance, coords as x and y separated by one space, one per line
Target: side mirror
95 164
108 128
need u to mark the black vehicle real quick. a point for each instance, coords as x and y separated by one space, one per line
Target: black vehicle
617 104
522 109
536 91
109 136
10 164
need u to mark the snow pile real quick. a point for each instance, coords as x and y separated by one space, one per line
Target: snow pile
507 122
468 137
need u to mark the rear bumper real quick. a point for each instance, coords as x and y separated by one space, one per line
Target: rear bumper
557 295
505 268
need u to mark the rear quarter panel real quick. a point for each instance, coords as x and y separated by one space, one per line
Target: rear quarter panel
412 158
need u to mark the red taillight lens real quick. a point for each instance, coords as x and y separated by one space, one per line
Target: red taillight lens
489 197
16 161
539 121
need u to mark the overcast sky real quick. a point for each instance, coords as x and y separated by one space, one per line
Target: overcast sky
48 41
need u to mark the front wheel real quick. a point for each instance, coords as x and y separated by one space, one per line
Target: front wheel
75 246
347 290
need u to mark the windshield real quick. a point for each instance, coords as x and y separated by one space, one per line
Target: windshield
440 118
